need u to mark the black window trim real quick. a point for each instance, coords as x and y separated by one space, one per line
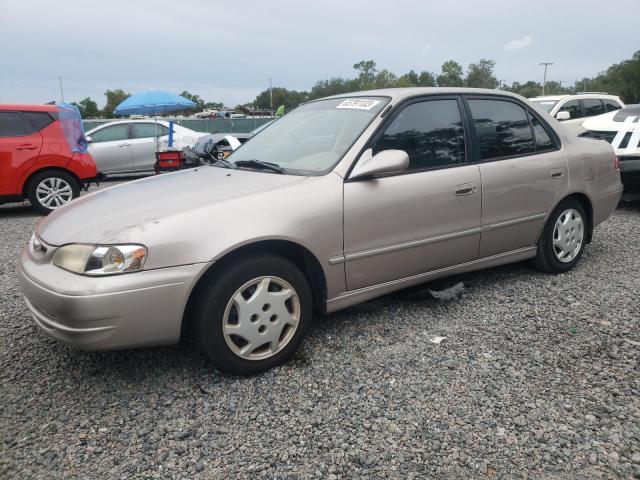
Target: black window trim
26 123
394 113
528 111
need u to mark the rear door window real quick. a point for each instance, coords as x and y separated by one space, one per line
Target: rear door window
38 120
111 134
431 133
502 128
13 124
148 130
573 107
592 107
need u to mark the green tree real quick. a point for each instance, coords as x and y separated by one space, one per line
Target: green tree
528 89
426 79
385 79
451 75
281 96
333 86
200 103
88 108
408 80
114 98
480 75
366 74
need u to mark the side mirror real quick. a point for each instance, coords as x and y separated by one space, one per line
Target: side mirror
563 115
386 161
88 139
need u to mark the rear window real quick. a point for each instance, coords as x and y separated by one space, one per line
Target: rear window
38 120
13 124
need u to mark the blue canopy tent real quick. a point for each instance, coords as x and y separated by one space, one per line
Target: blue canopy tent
154 102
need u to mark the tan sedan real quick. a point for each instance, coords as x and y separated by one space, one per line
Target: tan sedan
340 201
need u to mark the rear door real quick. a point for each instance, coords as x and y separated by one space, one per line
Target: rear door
523 172
20 145
143 144
424 218
110 147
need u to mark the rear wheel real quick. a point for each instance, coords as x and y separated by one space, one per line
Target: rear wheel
563 238
253 315
52 189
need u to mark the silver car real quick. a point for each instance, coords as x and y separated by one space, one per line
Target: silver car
130 146
342 200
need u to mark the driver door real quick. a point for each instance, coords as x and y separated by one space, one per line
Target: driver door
425 218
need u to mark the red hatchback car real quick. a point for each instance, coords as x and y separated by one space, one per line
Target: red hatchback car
39 158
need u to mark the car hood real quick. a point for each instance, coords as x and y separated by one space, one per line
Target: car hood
604 122
141 210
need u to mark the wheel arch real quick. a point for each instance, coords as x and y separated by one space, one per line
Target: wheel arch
301 256
27 180
585 202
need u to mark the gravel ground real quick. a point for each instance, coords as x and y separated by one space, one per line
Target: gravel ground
537 377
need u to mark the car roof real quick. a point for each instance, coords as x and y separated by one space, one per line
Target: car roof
575 95
398 94
28 107
549 97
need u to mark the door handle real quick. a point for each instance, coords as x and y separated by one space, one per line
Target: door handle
465 189
124 145
26 146
557 173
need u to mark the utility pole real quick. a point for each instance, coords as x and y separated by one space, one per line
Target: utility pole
544 81
61 91
270 93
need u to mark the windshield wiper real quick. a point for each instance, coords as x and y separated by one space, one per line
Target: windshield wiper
220 162
274 167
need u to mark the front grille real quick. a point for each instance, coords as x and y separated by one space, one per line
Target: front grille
608 136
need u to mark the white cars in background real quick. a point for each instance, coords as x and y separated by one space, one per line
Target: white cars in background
572 110
130 146
622 130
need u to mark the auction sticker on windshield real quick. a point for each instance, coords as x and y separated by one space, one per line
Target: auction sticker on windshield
359 103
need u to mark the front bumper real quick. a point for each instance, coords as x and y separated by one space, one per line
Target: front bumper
107 313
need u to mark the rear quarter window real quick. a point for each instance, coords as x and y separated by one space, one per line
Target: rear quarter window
38 120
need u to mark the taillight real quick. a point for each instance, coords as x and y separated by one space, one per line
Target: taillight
616 162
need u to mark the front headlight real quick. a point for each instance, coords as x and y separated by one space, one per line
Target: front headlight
100 259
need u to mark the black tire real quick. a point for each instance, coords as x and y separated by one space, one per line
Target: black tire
546 259
215 293
51 175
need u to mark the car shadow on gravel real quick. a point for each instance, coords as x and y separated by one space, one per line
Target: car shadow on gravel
20 210
185 360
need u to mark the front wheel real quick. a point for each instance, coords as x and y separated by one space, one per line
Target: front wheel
563 238
52 189
253 315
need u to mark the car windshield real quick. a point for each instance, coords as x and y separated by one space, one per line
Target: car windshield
312 138
546 104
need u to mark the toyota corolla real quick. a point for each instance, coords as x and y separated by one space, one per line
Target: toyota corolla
342 200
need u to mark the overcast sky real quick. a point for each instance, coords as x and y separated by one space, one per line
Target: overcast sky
226 51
